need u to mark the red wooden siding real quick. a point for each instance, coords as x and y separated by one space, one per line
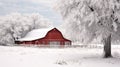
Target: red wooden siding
53 36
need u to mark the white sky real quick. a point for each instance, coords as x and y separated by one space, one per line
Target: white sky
44 7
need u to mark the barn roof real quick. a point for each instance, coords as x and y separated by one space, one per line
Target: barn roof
35 34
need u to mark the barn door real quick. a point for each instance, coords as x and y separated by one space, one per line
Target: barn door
55 43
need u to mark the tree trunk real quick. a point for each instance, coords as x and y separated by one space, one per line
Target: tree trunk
107 47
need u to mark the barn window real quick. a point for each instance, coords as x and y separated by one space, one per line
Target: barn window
36 42
43 42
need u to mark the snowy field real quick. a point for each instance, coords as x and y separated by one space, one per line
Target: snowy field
57 57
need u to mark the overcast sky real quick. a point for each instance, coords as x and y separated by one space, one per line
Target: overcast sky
44 7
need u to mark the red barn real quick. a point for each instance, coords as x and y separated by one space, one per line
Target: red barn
44 37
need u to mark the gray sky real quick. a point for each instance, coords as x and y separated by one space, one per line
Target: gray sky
44 7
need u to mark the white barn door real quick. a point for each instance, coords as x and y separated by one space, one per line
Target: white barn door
57 43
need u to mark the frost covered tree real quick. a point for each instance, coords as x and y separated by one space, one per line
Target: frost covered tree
16 25
88 20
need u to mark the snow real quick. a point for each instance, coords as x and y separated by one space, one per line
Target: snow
57 57
17 25
35 34
91 19
115 26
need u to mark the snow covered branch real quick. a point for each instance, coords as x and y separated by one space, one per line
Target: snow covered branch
16 25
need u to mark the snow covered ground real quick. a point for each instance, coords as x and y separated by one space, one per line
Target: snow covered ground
57 57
